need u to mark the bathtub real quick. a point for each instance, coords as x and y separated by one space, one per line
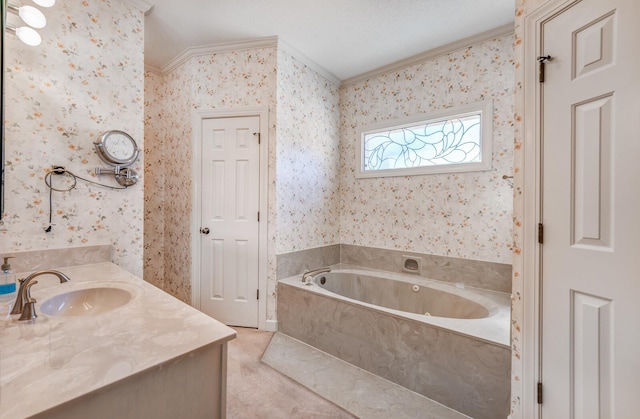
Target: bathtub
430 299
441 340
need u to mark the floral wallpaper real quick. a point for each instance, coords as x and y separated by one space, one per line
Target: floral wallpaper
154 168
88 77
307 179
314 198
303 158
235 79
85 78
464 215
176 205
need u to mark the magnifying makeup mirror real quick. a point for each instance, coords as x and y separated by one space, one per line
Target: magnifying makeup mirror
119 150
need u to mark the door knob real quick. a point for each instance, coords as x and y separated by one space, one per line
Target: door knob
204 230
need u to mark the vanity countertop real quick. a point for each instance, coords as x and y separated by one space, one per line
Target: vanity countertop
52 359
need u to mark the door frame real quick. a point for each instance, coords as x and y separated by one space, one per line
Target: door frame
198 115
532 206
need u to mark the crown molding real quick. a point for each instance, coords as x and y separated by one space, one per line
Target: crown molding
433 53
274 41
152 69
142 5
270 41
295 53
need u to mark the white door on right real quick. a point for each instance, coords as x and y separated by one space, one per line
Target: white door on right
590 98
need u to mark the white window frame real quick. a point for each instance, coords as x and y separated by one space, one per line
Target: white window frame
485 108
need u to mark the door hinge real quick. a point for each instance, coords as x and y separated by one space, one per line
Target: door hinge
258 216
257 294
257 134
541 61
539 393
540 233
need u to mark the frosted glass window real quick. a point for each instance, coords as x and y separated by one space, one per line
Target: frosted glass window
456 139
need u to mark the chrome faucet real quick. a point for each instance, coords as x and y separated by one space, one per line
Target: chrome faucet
24 304
314 273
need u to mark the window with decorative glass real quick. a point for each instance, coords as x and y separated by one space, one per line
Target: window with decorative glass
456 139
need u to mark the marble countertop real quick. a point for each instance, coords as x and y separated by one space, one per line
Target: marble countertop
53 359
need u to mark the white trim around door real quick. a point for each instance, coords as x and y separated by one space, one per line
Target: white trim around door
532 204
197 117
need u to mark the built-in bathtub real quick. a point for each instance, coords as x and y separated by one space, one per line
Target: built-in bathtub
441 340
425 298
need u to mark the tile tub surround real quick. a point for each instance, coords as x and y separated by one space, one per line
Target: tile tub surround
294 263
88 359
467 374
473 273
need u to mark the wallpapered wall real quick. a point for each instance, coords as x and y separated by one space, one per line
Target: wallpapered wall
63 94
175 211
314 198
303 159
236 79
154 169
85 78
307 179
465 215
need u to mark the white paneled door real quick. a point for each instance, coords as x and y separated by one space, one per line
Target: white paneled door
230 219
590 253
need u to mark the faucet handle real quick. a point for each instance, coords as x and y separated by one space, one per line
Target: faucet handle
29 309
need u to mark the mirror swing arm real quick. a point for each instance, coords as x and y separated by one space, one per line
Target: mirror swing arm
124 176
119 150
115 148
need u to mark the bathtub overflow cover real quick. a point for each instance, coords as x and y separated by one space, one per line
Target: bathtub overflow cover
323 280
416 288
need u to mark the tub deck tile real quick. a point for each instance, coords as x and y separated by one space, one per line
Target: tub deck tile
354 389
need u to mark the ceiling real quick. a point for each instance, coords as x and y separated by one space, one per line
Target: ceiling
344 37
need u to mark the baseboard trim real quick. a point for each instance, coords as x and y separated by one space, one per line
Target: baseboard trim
271 326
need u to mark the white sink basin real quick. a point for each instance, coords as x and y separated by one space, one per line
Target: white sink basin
85 302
